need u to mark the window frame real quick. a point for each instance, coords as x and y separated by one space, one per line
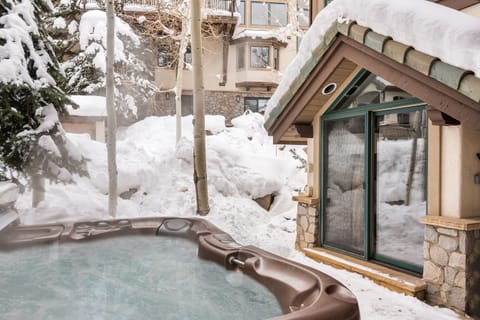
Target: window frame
368 111
257 100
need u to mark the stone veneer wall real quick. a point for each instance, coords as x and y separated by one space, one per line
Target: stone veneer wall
308 222
216 102
452 268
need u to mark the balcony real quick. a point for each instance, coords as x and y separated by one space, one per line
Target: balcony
217 8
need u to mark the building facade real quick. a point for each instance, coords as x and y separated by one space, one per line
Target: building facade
243 61
393 138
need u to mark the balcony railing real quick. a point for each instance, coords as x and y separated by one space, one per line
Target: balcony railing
153 5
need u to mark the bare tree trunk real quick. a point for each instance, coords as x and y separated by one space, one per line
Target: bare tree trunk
179 85
199 156
111 118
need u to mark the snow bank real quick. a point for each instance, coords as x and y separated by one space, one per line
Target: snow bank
88 106
448 34
8 193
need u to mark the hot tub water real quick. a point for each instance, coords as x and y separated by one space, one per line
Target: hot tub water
129 277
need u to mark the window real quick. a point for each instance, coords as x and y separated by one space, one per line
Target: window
259 57
276 59
269 13
303 13
165 58
241 10
374 174
255 104
241 57
187 58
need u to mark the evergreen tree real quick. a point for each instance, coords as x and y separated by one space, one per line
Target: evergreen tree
85 69
32 140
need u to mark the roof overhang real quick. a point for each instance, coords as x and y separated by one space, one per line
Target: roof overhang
446 89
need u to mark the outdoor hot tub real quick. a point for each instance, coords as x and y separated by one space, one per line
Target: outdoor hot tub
147 268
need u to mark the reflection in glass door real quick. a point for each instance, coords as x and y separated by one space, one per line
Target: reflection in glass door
344 205
400 178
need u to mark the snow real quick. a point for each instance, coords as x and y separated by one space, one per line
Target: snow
450 35
72 27
59 23
89 106
17 26
8 193
242 164
261 34
93 38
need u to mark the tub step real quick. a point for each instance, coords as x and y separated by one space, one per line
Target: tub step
392 279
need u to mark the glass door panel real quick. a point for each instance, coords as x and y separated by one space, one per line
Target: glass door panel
400 182
344 198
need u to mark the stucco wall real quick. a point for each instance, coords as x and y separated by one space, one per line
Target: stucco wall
450 171
470 192
460 197
473 10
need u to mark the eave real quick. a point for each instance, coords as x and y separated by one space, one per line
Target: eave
445 88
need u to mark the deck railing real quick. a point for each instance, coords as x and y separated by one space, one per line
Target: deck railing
151 5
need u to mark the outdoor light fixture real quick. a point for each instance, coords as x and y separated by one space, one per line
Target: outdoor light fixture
329 88
237 98
167 96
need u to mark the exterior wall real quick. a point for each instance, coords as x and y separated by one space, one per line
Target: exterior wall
459 164
452 268
450 171
473 10
96 129
216 103
470 199
213 70
307 226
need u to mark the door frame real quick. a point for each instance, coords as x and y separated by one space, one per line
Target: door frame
369 112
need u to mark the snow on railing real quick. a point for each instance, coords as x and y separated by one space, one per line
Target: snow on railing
152 5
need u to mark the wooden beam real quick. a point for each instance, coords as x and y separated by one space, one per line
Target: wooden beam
429 90
439 118
304 130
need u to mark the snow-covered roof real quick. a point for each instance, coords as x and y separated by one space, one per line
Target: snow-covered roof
450 35
89 106
261 34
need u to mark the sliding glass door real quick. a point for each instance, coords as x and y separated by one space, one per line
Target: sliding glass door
400 186
374 182
344 184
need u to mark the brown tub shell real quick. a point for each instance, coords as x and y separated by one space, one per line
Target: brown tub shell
302 292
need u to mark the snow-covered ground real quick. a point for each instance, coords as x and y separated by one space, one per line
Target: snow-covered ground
242 164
